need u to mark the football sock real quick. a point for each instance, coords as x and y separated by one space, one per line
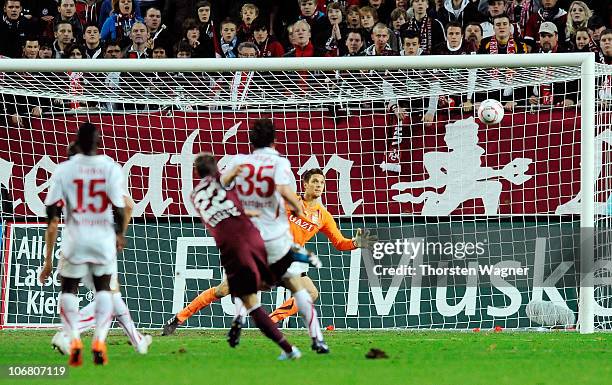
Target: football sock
104 314
200 302
69 312
269 328
122 314
87 317
241 312
308 312
287 309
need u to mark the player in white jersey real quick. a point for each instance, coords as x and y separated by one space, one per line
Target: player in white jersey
264 183
87 320
89 188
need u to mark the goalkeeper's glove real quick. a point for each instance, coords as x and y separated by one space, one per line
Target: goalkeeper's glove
363 239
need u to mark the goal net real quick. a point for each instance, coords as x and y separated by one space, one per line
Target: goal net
479 226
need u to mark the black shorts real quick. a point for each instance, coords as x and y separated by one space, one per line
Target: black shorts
279 268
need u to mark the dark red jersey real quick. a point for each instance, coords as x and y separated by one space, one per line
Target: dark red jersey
220 209
243 253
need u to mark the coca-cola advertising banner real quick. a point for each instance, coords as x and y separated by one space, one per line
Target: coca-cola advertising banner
528 164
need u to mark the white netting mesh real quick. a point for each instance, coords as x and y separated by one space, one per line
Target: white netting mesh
215 89
603 191
515 186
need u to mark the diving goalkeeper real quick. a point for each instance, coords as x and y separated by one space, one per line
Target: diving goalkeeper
316 218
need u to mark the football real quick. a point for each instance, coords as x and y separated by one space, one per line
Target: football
491 111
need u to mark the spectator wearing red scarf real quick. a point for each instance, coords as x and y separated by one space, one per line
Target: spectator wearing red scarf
518 11
431 30
503 43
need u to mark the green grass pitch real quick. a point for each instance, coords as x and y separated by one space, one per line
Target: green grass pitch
437 358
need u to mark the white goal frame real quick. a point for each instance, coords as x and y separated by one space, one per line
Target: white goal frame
586 61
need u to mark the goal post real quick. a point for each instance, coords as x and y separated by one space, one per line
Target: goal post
398 143
586 315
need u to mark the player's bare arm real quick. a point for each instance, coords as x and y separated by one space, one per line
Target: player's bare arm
119 217
127 217
228 178
53 213
289 195
252 213
127 212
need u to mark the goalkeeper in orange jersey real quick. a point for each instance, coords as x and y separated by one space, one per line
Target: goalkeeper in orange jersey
316 218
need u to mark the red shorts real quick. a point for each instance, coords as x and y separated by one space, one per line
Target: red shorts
246 265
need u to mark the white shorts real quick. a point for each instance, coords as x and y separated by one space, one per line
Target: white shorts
88 282
296 269
278 248
82 270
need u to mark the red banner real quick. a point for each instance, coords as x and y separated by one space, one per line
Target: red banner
529 164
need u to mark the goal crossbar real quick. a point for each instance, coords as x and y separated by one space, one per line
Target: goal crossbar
297 64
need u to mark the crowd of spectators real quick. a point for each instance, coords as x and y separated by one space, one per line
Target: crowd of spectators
140 29
216 28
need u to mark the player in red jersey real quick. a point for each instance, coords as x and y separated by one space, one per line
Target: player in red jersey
265 185
245 260
316 219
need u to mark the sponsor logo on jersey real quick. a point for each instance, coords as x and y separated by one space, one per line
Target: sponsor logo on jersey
302 223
